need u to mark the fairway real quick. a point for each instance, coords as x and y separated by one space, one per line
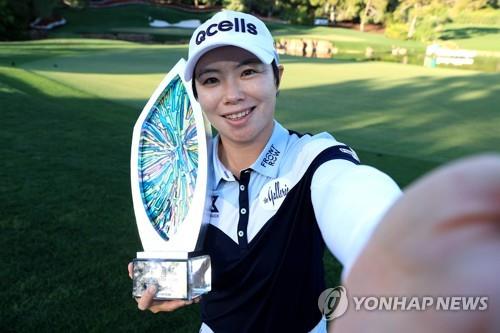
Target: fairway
347 40
474 36
67 112
384 108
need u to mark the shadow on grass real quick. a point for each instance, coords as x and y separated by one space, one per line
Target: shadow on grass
105 57
118 60
415 124
68 229
469 32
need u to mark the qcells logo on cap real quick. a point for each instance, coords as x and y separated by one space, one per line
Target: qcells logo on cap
238 25
333 302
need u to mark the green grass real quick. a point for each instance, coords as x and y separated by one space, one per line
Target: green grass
67 112
67 222
410 111
132 22
473 36
345 39
133 19
130 19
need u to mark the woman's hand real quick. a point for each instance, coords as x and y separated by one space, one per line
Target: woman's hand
147 302
442 238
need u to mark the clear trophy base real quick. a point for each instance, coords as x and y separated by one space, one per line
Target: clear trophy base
176 275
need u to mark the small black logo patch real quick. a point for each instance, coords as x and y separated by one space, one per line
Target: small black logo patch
214 209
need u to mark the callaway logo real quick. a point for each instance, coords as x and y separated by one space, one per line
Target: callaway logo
271 157
273 193
238 25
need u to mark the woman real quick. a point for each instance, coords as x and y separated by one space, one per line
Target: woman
278 196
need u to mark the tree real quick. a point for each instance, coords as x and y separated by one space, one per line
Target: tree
338 10
296 11
76 3
327 8
409 11
15 15
350 9
210 3
392 5
471 4
238 5
374 10
428 13
44 8
263 7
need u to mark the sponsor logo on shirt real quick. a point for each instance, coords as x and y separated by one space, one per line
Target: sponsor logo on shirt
273 193
271 157
214 212
350 152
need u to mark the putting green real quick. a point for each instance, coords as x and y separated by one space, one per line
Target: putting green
403 110
124 75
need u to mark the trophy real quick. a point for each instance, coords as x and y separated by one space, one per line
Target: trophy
170 177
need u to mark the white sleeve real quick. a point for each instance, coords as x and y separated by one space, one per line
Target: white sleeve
349 200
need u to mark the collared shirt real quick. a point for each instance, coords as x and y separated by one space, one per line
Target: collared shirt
348 199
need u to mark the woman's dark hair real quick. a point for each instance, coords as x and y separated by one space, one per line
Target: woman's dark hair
276 73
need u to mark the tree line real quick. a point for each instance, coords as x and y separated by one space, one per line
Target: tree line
410 19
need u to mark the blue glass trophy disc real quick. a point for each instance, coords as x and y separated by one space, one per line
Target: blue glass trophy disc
169 177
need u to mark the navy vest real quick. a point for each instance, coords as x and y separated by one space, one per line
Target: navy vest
273 283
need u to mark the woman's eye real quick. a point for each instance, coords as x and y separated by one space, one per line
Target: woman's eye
210 80
249 71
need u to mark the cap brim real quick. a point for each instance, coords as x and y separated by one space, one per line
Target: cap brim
260 53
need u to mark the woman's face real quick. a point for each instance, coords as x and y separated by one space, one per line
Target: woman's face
237 92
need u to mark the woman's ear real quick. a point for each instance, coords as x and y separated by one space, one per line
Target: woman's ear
278 79
280 73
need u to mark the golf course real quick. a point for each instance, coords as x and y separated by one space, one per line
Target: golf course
67 109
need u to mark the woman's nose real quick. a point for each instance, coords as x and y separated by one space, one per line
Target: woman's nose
233 92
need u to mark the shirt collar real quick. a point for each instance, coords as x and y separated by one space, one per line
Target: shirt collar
266 164
269 159
220 171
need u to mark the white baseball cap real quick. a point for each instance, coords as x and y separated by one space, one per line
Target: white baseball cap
231 28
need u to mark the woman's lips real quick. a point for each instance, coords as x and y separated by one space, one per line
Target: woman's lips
239 115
